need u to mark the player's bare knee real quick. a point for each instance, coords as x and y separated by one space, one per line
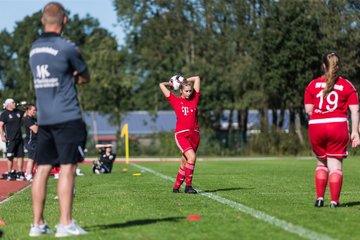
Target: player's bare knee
192 159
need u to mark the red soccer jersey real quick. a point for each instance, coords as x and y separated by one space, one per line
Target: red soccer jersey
336 103
185 111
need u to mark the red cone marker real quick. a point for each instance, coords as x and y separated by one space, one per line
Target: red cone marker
193 217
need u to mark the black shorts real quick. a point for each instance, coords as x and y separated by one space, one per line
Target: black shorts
60 143
30 147
14 148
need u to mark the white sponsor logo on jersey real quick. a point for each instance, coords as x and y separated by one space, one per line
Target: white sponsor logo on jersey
42 72
185 110
43 80
48 50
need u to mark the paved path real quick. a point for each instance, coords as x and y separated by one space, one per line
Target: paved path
9 187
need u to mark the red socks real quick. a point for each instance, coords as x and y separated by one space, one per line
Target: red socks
189 170
184 174
335 183
179 178
321 177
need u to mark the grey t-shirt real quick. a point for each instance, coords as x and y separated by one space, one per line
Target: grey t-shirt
53 61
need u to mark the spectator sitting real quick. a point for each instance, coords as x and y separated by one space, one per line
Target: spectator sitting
106 159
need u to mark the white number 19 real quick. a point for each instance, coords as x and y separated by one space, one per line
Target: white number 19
332 100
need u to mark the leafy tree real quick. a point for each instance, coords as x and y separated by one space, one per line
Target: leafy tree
290 50
111 88
16 77
6 62
341 26
208 38
294 36
250 54
157 42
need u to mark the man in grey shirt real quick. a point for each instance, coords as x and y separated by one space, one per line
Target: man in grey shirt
57 66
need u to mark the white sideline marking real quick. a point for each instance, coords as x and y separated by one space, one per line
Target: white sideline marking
289 227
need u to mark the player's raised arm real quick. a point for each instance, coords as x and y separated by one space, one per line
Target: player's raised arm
100 146
164 88
196 81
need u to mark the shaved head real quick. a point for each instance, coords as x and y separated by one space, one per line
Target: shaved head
53 13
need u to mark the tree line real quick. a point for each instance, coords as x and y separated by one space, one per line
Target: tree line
250 54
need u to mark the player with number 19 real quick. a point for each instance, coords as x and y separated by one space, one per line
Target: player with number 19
327 100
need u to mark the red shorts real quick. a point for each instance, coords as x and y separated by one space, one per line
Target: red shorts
329 139
187 140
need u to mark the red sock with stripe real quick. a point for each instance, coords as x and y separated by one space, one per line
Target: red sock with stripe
335 183
321 177
189 170
179 178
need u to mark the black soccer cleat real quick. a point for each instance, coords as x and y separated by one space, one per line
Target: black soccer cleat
189 189
319 203
5 175
20 176
334 205
12 175
176 190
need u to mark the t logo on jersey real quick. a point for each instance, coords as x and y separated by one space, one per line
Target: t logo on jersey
42 72
185 110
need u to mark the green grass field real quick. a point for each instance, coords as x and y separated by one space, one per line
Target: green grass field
270 199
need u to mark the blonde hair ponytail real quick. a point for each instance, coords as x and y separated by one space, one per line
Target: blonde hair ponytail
331 61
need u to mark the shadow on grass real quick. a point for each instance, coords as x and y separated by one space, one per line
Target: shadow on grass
1 234
133 223
225 189
350 204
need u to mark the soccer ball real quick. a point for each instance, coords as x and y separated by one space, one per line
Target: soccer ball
176 81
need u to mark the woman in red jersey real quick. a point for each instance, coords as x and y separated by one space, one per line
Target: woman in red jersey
327 100
187 128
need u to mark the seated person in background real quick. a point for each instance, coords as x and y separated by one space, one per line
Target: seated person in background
106 159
